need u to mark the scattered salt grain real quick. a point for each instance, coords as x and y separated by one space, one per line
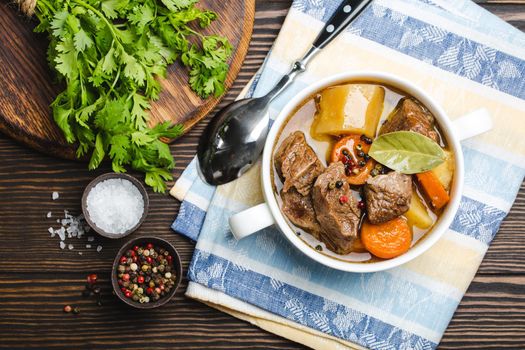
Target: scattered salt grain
91 239
54 195
88 246
115 205
70 227
99 248
79 253
49 214
61 232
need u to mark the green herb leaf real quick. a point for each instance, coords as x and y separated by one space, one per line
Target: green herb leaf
98 153
174 5
82 40
407 152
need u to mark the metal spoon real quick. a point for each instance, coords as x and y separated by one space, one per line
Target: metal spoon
235 137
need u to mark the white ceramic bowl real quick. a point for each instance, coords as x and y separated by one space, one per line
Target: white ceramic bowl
268 213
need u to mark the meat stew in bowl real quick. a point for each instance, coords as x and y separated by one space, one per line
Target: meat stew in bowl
362 171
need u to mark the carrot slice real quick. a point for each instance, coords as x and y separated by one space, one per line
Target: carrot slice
433 189
356 167
387 240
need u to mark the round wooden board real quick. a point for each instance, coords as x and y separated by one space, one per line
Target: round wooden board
27 85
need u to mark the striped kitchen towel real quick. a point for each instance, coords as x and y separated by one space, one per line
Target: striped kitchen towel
463 56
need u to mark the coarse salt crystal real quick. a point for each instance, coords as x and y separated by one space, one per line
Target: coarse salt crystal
99 248
88 246
79 253
62 245
70 247
50 230
49 214
91 239
61 232
115 205
55 195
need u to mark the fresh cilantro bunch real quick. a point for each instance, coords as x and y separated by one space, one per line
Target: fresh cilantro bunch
110 53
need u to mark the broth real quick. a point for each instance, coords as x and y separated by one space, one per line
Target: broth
301 119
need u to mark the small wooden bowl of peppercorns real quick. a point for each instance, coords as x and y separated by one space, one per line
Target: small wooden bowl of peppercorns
146 272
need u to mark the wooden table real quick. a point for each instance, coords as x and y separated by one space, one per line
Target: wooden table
37 278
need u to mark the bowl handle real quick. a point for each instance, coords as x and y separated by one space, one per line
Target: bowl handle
251 220
472 124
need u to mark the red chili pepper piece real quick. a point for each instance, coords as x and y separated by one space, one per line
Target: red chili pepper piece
149 245
125 277
149 259
135 248
140 279
92 278
169 258
123 259
343 199
128 294
149 290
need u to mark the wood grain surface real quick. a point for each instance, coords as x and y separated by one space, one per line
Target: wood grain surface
28 86
37 278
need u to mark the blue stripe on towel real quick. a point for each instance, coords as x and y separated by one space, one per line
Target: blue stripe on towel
391 293
298 305
477 220
431 44
189 220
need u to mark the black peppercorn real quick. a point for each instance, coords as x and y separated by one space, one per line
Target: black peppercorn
366 139
339 184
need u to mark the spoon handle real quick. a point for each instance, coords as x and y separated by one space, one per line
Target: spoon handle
342 17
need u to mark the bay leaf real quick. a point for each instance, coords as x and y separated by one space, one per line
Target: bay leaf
407 152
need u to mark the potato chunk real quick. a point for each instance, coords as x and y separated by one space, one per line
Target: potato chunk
417 215
348 109
445 171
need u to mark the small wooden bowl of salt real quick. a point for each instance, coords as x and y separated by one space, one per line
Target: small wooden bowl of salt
115 205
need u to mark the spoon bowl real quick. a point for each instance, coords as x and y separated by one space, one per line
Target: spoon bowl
233 140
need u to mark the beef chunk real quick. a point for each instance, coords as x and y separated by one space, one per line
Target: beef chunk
336 209
387 196
300 211
411 116
297 164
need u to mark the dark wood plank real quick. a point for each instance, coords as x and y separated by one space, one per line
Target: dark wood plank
27 87
38 279
512 11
